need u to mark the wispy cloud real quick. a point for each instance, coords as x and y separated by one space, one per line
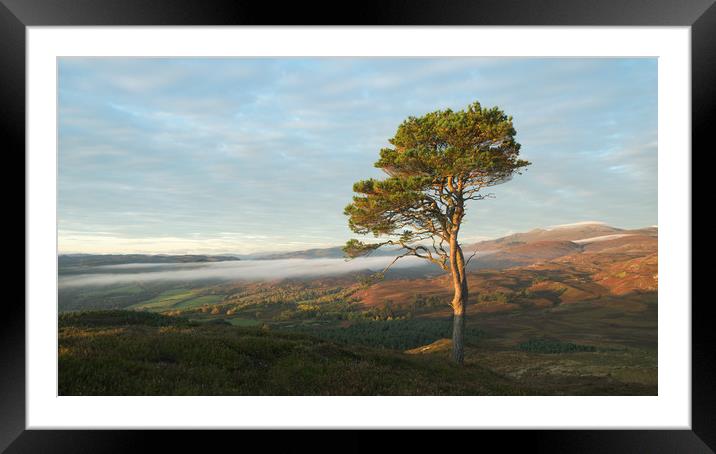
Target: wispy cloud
168 153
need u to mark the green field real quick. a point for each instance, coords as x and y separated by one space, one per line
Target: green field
165 300
177 299
236 321
198 301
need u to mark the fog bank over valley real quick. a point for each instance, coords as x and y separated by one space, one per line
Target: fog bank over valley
233 270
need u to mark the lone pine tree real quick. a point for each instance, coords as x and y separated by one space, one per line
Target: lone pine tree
438 163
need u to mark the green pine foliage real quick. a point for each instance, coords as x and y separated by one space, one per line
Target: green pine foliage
437 162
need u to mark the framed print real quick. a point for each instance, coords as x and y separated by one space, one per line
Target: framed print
410 218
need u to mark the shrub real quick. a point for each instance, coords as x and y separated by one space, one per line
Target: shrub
496 297
118 318
553 346
393 334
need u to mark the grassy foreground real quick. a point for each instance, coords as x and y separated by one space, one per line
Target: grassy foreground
134 353
141 353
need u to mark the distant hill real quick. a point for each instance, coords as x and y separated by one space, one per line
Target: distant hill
518 253
80 260
335 252
318 253
599 261
511 250
567 232
548 242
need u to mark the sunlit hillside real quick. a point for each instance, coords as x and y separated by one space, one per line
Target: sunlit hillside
570 310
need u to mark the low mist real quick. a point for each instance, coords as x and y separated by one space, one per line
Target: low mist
231 270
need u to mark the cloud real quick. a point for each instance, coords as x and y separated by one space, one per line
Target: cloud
163 148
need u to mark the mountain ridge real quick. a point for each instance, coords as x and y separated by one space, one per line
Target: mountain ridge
81 260
578 233
566 232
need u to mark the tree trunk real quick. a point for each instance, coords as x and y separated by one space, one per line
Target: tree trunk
459 301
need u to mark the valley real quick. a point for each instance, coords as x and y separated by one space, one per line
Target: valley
555 311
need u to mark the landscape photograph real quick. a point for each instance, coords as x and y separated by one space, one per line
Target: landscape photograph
366 226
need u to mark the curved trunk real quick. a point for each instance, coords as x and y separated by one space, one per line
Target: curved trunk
459 301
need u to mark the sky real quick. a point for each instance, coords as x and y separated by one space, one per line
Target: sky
246 155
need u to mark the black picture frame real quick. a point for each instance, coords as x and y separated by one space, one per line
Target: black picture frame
700 15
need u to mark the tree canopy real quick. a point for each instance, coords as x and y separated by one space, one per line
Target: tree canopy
437 162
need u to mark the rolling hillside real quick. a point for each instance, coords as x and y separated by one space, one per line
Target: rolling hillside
132 353
571 310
